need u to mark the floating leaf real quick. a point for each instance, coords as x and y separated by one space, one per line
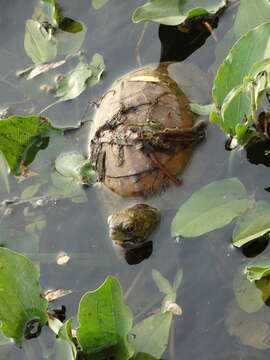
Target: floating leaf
21 306
97 4
258 268
105 322
175 12
39 43
151 335
22 137
213 206
253 224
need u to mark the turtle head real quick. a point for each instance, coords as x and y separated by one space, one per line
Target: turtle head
132 226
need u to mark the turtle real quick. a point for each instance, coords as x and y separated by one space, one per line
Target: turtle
141 138
142 134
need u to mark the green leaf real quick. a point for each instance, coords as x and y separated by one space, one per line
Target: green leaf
250 14
46 10
105 322
235 108
67 164
161 282
97 4
213 206
151 335
175 12
83 76
20 301
202 109
39 43
250 296
177 279
65 336
252 224
240 60
22 137
75 166
258 268
4 172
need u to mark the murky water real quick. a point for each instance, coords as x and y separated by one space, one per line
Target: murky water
208 262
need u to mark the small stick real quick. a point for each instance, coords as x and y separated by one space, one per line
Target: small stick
137 49
163 168
133 284
210 29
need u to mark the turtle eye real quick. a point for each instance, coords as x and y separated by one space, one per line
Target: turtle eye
129 228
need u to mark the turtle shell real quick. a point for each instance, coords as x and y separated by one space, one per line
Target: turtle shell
130 128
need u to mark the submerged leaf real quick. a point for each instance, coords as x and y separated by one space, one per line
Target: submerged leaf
211 207
175 12
151 335
22 309
105 322
22 137
97 4
250 296
252 224
39 43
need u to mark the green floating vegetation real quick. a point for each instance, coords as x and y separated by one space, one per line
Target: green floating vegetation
23 311
258 268
240 84
175 12
211 207
22 137
105 322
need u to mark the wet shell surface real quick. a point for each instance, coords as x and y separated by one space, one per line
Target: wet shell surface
142 134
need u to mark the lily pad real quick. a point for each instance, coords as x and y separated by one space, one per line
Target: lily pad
175 12
211 207
39 43
22 137
21 306
105 322
253 224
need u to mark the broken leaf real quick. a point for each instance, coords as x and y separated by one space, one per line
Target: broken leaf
22 137
21 306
